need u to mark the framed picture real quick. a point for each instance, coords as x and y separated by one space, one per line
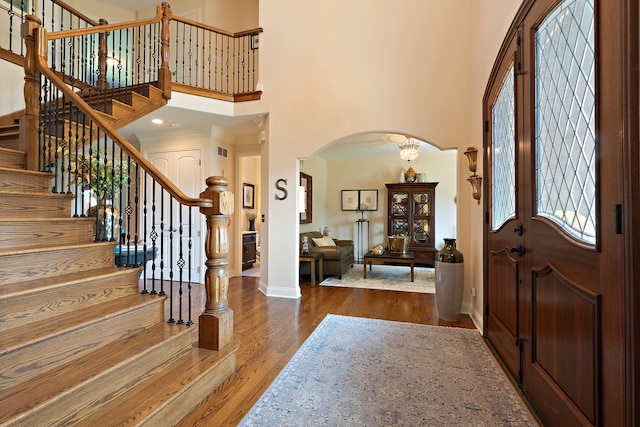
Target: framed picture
306 181
368 200
350 200
255 41
247 195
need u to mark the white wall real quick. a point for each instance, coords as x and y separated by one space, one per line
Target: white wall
492 19
341 68
12 77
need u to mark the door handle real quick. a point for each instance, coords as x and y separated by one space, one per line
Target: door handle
519 250
518 229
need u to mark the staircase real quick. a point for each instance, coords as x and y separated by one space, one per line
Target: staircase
79 343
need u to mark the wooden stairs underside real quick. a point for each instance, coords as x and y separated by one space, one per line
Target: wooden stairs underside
79 344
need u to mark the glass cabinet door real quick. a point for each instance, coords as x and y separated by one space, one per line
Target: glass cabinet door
399 213
400 204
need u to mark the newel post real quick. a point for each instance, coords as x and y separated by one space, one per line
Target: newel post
164 79
103 53
216 321
29 122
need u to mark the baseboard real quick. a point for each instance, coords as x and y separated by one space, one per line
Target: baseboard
476 317
280 292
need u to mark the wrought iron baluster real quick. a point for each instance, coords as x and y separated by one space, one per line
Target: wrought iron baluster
161 239
209 62
144 234
171 253
189 285
181 264
153 235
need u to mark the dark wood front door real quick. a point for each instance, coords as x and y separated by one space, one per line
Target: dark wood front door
554 265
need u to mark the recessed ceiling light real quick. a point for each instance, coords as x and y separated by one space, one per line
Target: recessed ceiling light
157 121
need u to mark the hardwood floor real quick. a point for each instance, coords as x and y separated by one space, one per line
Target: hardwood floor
271 330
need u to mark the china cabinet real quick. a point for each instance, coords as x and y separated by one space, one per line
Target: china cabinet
411 212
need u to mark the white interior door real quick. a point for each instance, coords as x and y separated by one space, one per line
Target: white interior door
180 228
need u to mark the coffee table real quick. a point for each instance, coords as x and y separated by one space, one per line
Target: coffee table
390 258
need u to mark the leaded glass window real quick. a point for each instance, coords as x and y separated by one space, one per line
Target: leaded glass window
503 185
565 119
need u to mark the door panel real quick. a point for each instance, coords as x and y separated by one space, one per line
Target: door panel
553 278
501 274
177 227
564 342
560 343
502 325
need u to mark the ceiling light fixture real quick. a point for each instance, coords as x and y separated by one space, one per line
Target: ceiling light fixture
409 149
157 121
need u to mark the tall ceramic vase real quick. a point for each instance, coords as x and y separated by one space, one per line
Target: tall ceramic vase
449 281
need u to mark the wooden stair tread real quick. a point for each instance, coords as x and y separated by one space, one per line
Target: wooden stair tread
4 150
81 371
27 172
147 398
56 248
34 332
14 289
36 194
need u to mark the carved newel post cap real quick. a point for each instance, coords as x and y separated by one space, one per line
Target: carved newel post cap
222 198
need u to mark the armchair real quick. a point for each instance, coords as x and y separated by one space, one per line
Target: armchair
336 259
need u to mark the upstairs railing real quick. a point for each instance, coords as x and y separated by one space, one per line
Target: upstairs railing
53 14
151 221
202 60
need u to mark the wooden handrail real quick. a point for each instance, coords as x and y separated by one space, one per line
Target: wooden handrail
75 12
105 28
214 29
40 37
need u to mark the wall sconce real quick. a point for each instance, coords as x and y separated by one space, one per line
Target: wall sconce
472 155
475 180
476 186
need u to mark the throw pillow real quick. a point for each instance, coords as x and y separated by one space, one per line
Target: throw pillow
324 241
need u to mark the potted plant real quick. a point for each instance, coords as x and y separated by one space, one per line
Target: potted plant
105 177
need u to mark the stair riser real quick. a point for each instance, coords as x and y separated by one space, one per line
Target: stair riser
20 365
55 232
35 265
10 141
15 160
35 206
48 302
180 405
80 402
16 180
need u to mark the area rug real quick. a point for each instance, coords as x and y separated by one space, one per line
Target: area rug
365 372
388 277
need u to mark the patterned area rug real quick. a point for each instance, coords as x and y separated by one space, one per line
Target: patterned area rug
388 277
364 372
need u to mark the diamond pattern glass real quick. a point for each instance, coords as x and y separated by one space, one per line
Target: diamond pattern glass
400 204
503 185
421 204
565 119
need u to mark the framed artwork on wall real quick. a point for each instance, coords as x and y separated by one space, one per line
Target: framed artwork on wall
350 200
248 191
368 200
359 200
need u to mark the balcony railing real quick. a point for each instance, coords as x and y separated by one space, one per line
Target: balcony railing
201 59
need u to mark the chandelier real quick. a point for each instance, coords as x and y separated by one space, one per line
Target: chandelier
409 149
